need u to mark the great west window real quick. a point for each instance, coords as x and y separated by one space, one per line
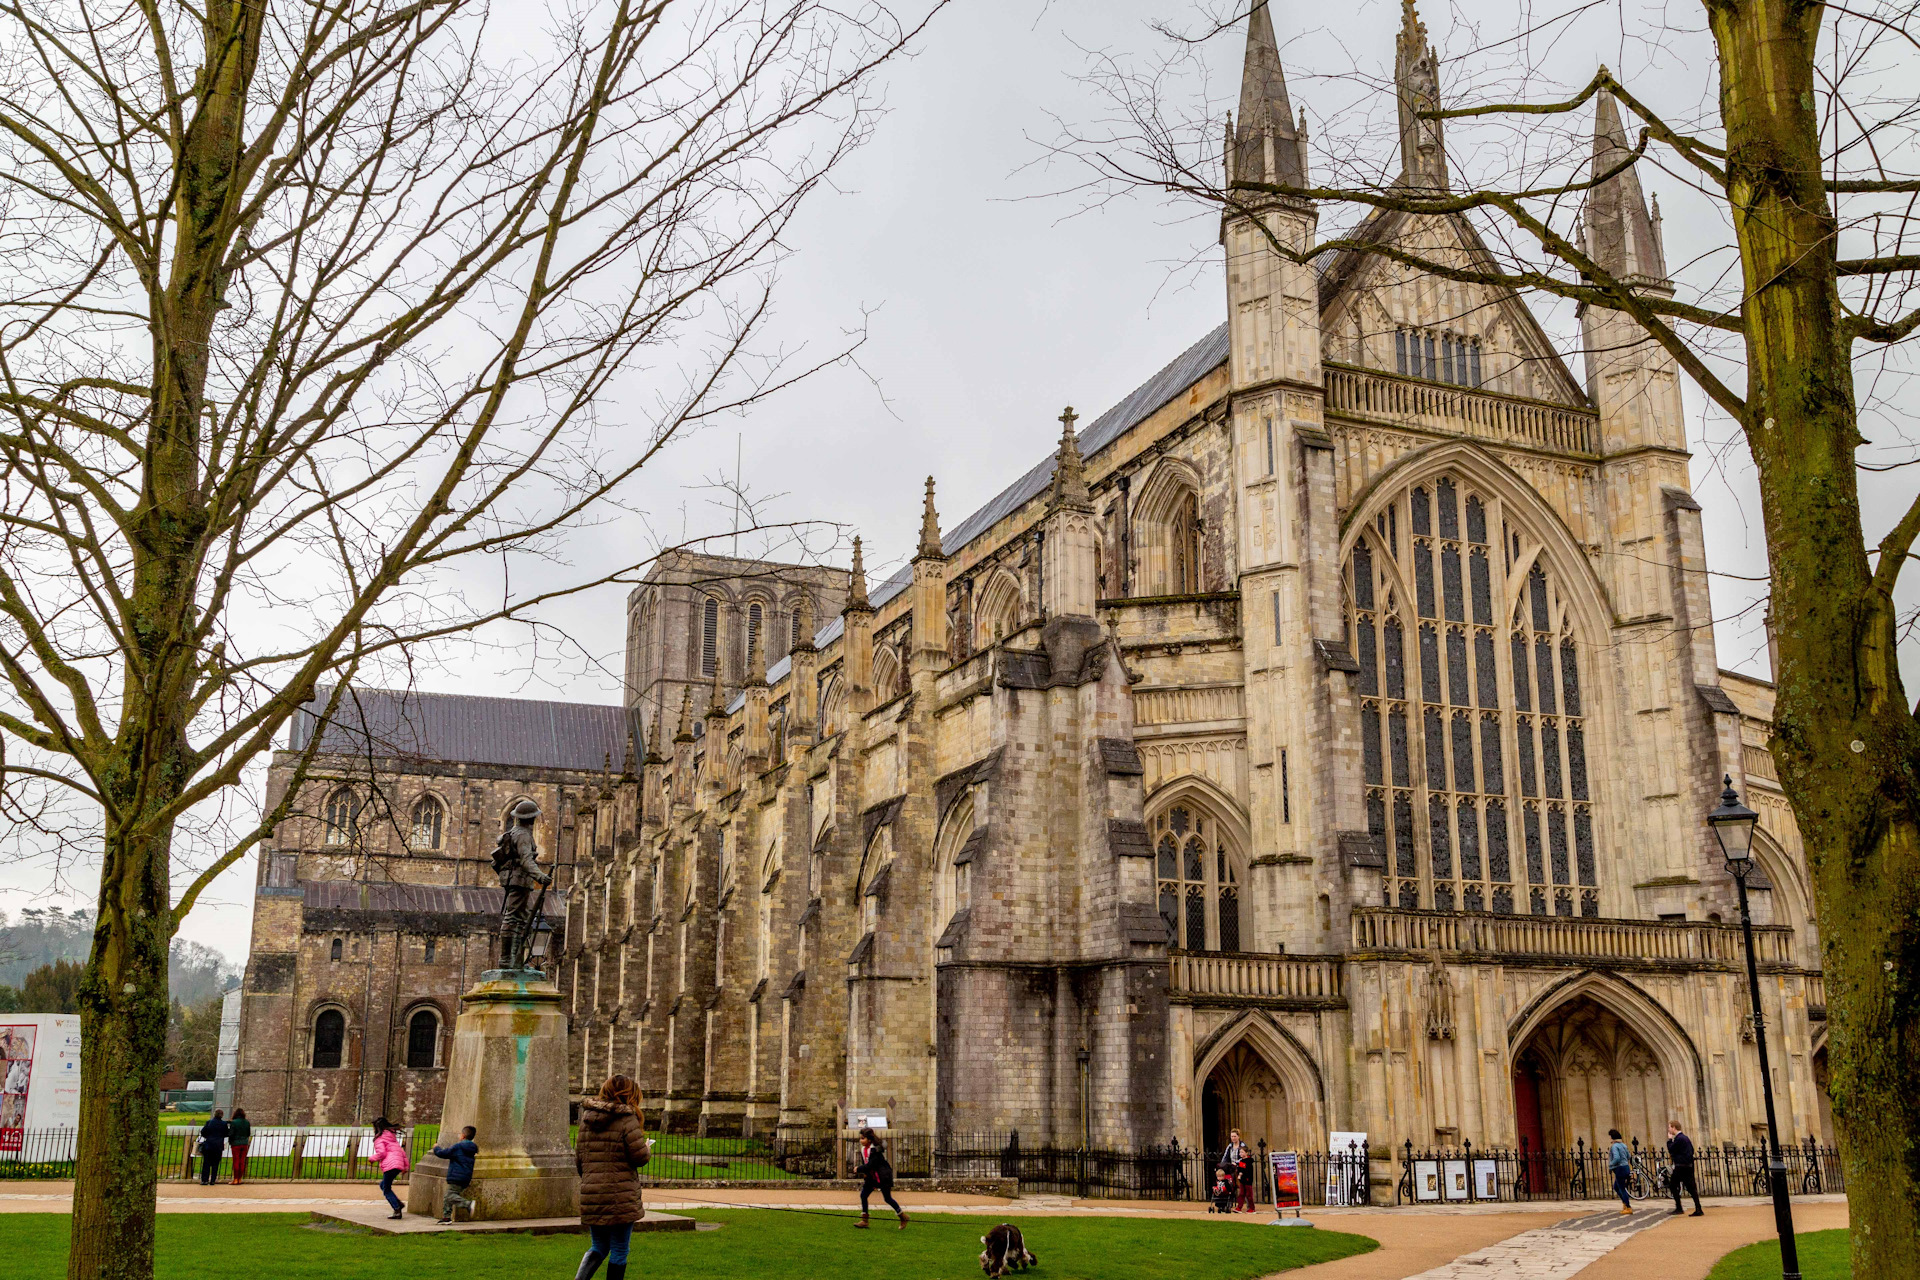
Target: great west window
1473 724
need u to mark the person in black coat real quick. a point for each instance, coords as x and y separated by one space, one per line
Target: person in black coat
876 1174
1680 1151
213 1146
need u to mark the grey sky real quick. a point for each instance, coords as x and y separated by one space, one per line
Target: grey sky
993 300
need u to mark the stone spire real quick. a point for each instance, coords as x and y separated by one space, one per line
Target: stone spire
1621 236
857 580
654 752
685 732
929 528
628 765
1266 145
1416 80
1069 471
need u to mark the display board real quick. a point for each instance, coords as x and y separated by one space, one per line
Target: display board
39 1079
1286 1179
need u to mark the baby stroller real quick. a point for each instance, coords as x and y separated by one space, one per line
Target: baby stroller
1224 1187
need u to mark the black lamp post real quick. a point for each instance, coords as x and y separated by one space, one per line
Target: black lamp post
1733 824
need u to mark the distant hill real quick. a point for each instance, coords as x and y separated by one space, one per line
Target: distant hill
39 936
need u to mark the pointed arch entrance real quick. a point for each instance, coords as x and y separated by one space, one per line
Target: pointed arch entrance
1253 1076
1594 1054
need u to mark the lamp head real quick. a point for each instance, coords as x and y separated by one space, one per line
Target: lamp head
541 940
1733 825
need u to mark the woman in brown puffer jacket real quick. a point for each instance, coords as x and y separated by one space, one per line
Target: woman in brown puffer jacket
612 1145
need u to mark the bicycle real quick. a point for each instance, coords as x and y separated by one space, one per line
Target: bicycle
1642 1181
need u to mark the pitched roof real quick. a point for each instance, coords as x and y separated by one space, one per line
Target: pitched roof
463 727
1180 373
395 897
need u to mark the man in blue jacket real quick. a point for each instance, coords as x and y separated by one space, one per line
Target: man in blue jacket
459 1158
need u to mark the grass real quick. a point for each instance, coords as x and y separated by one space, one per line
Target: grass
1823 1256
766 1244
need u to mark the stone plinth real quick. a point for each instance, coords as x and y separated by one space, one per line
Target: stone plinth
508 1079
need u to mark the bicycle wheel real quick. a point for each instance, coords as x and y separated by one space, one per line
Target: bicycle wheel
1639 1185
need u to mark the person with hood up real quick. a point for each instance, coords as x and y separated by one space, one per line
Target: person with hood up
609 1152
392 1159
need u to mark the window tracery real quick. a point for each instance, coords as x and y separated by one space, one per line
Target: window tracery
1473 726
1199 881
429 818
343 816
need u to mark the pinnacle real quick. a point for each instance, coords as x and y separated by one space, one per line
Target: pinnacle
1070 470
686 716
857 579
929 528
1266 115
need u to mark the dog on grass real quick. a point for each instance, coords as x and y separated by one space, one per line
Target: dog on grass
1006 1251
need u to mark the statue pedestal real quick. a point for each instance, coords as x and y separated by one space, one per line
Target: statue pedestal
507 1077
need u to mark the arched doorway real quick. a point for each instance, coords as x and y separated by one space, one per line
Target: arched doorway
1583 1071
1244 1092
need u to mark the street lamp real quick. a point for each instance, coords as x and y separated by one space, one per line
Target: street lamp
1733 825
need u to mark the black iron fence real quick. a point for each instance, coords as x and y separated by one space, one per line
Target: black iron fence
276 1153
1469 1173
1154 1172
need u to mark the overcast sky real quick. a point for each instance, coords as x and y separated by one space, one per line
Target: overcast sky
992 298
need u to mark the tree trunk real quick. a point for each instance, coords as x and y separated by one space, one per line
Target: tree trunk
1847 743
123 1029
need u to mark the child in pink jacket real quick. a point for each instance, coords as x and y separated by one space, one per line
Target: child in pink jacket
392 1158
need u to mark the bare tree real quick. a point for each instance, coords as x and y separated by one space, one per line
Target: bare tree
1808 156
311 321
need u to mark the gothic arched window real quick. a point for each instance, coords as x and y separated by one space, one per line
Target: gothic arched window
429 818
1199 884
1186 578
709 636
755 614
1472 723
342 816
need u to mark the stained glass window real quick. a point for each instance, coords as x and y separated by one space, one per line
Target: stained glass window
1464 724
1199 884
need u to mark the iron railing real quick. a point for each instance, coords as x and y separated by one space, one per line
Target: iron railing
1470 1173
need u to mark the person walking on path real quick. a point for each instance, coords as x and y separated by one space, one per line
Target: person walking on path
459 1157
1680 1151
213 1145
1237 1163
392 1159
239 1137
1620 1165
876 1174
610 1150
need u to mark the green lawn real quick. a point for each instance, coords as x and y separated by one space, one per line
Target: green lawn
762 1243
1823 1256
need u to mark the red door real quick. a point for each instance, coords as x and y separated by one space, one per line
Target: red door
1533 1137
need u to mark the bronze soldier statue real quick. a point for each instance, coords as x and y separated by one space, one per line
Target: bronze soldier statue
516 861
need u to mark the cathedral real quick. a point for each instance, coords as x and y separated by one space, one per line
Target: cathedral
1319 739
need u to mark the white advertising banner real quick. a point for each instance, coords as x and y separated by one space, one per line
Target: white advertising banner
39 1078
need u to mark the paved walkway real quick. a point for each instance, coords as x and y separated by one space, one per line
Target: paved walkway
1549 1241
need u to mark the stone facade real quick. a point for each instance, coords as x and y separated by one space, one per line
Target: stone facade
1318 740
376 902
696 612
1325 749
